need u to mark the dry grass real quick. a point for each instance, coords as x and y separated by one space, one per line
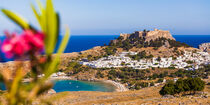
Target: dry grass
149 96
144 96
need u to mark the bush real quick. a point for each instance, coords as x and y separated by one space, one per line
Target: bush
152 84
99 74
179 86
155 48
183 86
158 59
74 67
141 85
160 80
169 89
171 67
141 55
189 62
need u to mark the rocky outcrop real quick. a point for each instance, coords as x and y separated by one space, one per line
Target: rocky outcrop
149 35
205 47
51 91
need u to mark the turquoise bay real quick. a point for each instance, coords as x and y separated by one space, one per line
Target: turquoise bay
73 85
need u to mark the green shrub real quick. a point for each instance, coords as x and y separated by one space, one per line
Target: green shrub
182 86
152 84
169 89
99 74
160 80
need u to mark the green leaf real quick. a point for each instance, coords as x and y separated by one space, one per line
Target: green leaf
44 88
64 42
42 17
61 49
49 23
52 27
15 85
36 14
41 7
16 18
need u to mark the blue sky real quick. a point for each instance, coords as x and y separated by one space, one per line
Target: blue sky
111 17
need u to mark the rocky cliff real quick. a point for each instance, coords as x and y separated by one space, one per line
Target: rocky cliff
149 35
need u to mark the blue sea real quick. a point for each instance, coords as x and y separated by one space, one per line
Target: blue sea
79 43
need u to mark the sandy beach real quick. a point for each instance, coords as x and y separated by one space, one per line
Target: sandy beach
119 87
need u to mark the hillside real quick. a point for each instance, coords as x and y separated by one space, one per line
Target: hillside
140 97
156 43
144 39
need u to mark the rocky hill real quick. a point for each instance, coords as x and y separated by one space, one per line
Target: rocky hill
144 39
148 35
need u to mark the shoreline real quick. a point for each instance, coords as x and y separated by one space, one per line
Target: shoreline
118 86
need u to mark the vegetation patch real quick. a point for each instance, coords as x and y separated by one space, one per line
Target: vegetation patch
183 87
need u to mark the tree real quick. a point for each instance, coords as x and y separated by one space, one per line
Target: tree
160 80
179 86
90 57
155 48
169 88
123 63
159 59
195 84
152 84
99 74
182 86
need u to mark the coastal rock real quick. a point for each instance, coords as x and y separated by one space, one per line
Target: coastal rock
168 96
51 91
149 35
205 47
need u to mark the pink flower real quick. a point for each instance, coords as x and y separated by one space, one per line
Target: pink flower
35 40
28 41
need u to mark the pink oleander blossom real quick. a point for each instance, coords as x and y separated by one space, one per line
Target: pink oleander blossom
35 40
18 45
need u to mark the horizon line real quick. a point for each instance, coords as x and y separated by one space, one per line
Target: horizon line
118 35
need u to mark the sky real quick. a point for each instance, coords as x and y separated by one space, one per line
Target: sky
112 17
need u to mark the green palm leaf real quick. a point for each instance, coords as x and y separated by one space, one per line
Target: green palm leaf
16 18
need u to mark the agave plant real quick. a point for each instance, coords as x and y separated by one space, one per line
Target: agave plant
29 44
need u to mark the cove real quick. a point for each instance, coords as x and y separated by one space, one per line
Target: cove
73 85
